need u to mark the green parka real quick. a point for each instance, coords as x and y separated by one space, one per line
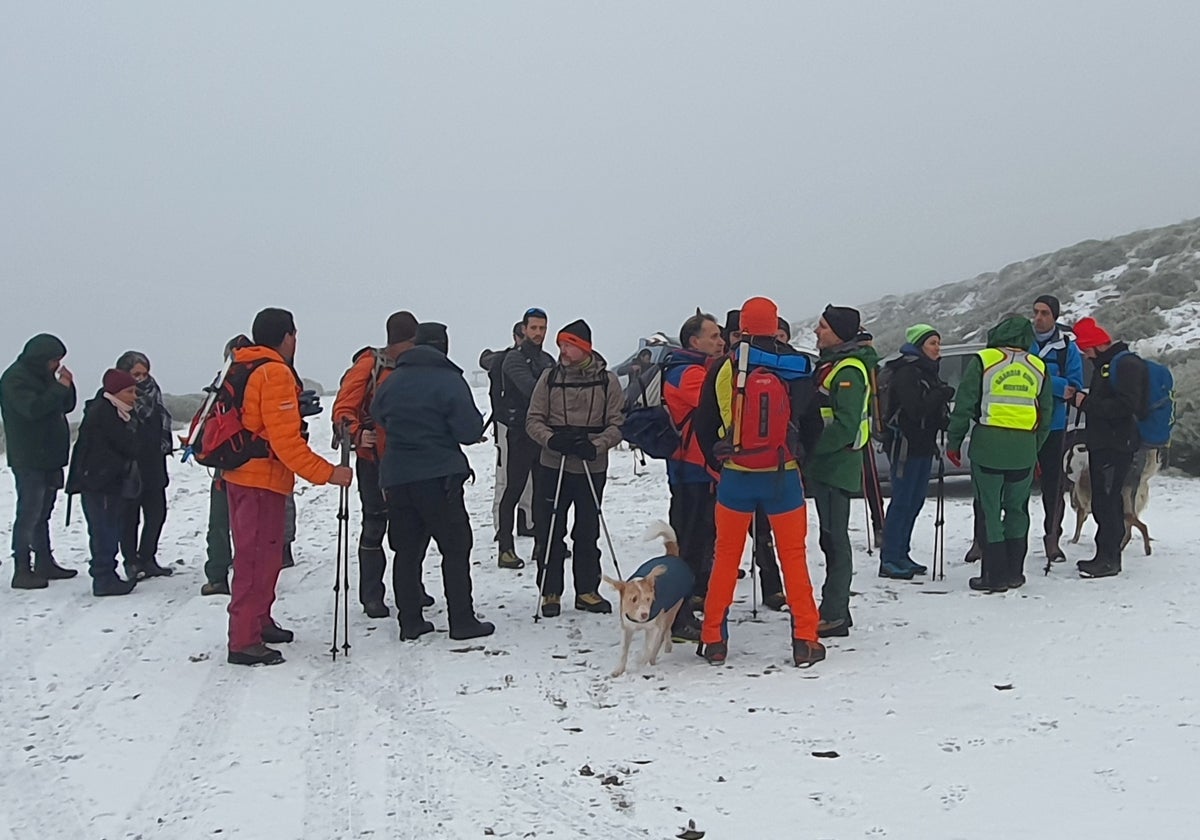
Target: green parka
34 406
833 462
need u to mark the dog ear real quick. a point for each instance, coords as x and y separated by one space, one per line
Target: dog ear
618 585
657 571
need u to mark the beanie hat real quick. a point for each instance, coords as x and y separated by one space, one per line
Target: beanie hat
733 322
1052 302
785 327
1089 334
578 333
759 316
918 334
115 381
401 327
844 321
433 334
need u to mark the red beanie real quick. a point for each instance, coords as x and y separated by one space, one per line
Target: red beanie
760 316
1089 334
115 381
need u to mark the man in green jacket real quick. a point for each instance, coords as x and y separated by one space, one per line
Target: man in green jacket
834 472
1007 395
36 395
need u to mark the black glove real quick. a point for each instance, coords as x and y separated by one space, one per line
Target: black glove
584 449
310 403
722 450
562 442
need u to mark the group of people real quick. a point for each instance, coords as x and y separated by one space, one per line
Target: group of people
762 428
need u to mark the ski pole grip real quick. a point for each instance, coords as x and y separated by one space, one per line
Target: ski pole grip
344 441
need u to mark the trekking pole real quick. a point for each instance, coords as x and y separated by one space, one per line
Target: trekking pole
341 574
753 563
1066 454
603 524
544 565
939 524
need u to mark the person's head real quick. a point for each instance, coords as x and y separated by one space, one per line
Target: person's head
135 363
534 325
1091 338
926 339
574 342
433 334
783 332
644 356
401 328
1046 310
838 325
44 352
518 334
758 317
120 384
275 328
733 327
702 334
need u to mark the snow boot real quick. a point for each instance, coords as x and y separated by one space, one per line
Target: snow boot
837 627
111 585
276 635
150 568
974 553
472 628
24 577
415 629
805 654
592 602
1097 568
255 655
45 567
686 630
551 605
714 652
215 587
510 560
1054 552
426 598
917 568
775 601
376 609
1015 551
888 570
133 571
993 569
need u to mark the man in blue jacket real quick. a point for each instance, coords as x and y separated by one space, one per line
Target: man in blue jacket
428 414
1064 368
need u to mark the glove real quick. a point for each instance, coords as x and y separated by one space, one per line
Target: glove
310 403
584 449
722 450
954 457
562 442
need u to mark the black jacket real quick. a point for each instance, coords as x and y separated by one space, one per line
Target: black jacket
152 461
35 405
522 368
917 405
105 452
1112 412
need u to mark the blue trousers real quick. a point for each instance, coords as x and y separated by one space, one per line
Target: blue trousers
910 484
105 520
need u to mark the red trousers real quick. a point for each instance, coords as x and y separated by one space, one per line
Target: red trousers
791 530
256 520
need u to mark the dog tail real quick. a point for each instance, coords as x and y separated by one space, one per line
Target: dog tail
662 531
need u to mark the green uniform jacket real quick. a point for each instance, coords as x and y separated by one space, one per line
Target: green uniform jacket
35 406
833 462
1000 449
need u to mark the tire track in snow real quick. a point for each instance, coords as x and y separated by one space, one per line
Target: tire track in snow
331 806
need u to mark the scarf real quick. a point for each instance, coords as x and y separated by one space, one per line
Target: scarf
149 402
123 409
1044 337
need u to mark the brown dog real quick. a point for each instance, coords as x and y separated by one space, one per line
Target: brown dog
1135 495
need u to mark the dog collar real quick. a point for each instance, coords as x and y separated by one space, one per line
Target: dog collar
635 621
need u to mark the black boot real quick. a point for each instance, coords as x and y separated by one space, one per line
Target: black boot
1015 551
45 567
149 568
715 652
1098 568
256 655
376 609
414 628
24 577
277 635
993 569
471 628
973 553
111 585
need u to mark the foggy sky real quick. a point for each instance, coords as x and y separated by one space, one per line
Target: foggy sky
169 169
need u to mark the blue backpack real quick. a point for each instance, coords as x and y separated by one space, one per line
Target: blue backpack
1157 417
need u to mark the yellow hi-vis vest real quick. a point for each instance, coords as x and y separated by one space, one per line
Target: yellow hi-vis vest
864 425
1012 380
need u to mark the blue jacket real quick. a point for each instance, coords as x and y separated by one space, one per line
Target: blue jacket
427 413
669 588
1052 354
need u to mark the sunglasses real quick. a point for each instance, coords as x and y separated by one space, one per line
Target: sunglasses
535 313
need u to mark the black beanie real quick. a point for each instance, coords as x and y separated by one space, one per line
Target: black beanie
844 321
786 327
1052 302
433 334
401 327
733 322
578 333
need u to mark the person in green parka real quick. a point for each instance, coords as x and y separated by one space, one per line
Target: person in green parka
1006 402
834 473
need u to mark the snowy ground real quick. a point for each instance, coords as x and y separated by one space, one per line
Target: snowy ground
122 719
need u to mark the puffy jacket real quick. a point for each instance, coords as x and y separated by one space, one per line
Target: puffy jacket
684 372
271 409
521 370
586 396
1064 366
1112 412
427 409
918 403
105 451
1001 449
356 391
34 406
834 461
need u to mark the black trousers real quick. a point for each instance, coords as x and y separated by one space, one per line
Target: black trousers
523 455
692 516
372 561
150 511
585 534
1109 470
420 510
1050 461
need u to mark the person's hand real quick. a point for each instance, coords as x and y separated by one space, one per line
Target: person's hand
584 449
366 439
1069 393
1078 398
65 377
562 442
954 457
342 476
723 450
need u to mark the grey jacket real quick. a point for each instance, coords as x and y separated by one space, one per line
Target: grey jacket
588 397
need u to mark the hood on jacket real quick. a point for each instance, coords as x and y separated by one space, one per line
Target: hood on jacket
1015 331
680 356
911 354
41 349
426 355
865 353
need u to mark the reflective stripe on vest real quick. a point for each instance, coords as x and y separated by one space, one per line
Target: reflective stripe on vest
1012 380
864 426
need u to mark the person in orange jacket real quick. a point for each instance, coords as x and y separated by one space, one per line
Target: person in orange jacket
259 488
353 407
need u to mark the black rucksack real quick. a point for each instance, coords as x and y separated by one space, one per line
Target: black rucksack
648 425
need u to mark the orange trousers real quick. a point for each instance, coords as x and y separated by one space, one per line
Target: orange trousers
791 531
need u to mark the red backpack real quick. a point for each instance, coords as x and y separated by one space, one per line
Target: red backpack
763 433
224 443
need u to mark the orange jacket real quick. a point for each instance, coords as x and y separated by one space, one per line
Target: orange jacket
271 409
353 402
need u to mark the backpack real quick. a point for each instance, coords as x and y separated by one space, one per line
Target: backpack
223 442
766 434
496 385
648 425
1156 417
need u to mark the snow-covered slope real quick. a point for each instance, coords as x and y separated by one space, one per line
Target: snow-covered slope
1067 709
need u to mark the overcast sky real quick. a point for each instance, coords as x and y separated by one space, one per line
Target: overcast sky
168 169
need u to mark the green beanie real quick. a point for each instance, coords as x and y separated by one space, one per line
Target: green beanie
918 334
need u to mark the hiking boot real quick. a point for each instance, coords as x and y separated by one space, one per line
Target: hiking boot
1098 569
805 654
917 568
150 568
288 559
551 605
133 570
1054 552
973 553
25 578
215 587
376 609
714 652
980 585
775 601
592 602
685 633
696 602
1015 551
426 598
45 567
112 585
276 635
835 627
413 630
472 629
887 570
255 655
510 560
